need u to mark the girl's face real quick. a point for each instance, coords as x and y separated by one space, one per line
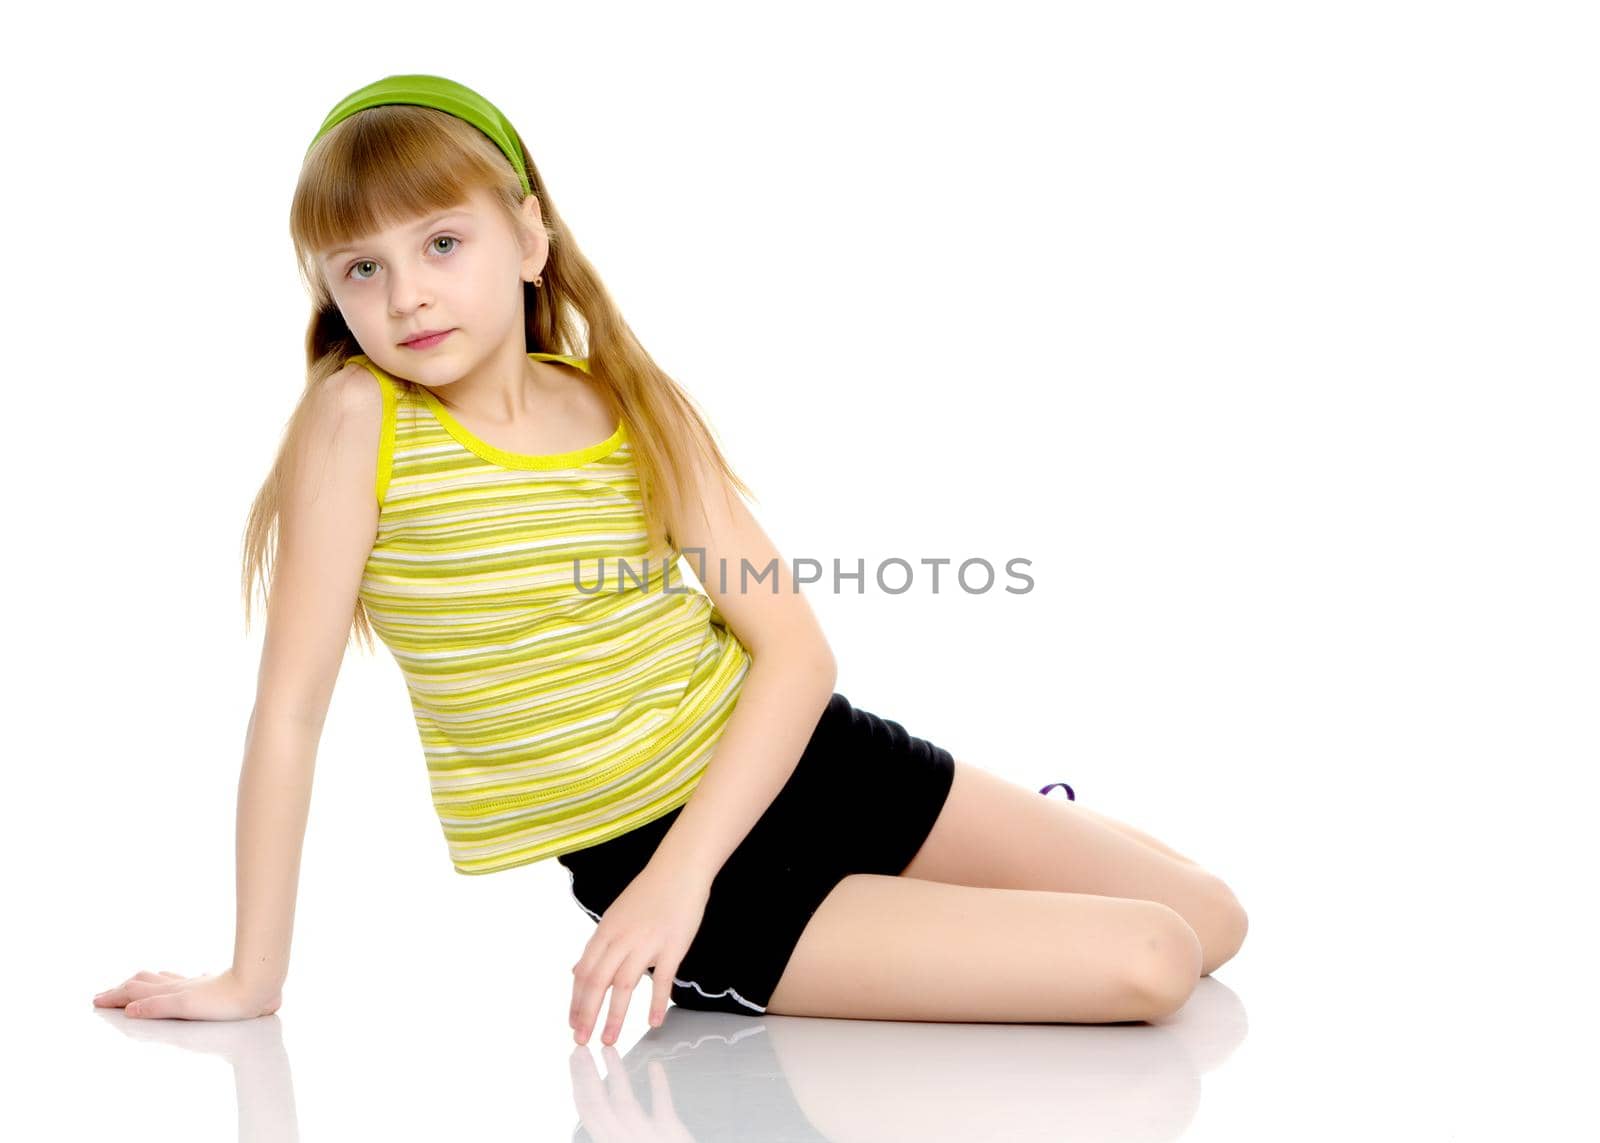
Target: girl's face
460 269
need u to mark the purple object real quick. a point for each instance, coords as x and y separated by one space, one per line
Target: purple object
1046 790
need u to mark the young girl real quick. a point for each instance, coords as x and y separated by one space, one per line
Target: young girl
507 515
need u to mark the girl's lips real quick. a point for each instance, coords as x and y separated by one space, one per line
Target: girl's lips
426 342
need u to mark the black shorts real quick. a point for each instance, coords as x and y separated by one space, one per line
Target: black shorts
862 799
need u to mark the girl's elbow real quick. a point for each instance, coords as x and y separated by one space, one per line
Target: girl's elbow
821 658
814 656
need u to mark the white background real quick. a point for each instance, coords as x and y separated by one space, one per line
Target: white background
1265 331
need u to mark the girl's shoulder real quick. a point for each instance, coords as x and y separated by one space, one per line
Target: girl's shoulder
362 366
365 401
360 386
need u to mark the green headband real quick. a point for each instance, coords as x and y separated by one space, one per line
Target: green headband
442 95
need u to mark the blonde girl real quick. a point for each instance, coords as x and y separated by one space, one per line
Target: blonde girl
487 470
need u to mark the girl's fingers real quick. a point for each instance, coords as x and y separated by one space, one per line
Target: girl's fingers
622 994
592 992
161 1004
138 989
592 952
116 988
139 985
662 992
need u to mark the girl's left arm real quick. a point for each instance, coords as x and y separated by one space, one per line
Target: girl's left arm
787 687
790 680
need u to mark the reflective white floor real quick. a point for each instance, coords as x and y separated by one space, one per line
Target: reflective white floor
1376 1010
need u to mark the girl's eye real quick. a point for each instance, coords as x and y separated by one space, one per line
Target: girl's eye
351 273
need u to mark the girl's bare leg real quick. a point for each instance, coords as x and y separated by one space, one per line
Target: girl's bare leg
899 948
995 834
1127 830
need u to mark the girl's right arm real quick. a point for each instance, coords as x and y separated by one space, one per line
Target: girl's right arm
328 518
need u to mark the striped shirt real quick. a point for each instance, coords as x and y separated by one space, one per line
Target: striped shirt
561 698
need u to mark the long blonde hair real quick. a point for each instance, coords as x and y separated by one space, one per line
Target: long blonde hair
393 163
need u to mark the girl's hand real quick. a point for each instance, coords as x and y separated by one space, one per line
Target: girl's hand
652 922
214 996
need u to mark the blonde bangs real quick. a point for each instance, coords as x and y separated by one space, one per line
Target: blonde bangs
384 167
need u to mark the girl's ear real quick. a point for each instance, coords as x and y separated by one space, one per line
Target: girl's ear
535 243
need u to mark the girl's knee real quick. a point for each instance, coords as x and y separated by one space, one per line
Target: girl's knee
1167 976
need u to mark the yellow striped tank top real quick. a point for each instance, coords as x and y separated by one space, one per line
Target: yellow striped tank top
560 701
